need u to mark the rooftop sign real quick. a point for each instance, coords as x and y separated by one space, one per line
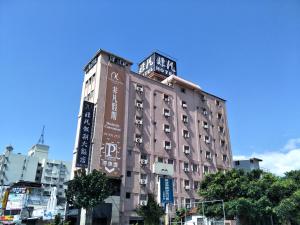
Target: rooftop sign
158 63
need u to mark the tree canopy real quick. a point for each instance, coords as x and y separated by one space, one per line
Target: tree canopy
151 212
256 197
88 190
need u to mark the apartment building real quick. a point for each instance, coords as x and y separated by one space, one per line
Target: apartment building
149 129
35 167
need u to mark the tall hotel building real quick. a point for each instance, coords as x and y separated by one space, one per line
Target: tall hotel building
146 128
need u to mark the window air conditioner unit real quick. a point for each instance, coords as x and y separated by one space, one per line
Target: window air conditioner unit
139 122
184 105
186 169
167 99
205 126
186 135
144 161
168 147
186 151
167 130
139 88
187 187
207 141
167 113
143 202
143 181
139 105
185 120
139 140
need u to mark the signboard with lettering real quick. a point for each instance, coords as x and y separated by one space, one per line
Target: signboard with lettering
158 63
113 125
16 198
85 134
166 191
163 169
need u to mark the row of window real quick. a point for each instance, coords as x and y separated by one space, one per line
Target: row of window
140 89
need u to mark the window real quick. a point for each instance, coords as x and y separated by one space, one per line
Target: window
195 167
207 139
183 104
222 142
138 139
185 134
217 103
204 111
182 90
186 183
205 125
185 118
143 197
196 185
221 129
139 88
237 163
205 169
127 195
143 156
186 149
166 98
128 173
208 155
186 167
160 159
203 98
167 145
139 104
167 128
138 120
170 161
224 158
167 113
188 203
219 116
143 176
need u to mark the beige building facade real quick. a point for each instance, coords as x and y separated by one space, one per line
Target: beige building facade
169 127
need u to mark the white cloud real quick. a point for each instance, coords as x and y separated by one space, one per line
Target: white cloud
279 162
292 144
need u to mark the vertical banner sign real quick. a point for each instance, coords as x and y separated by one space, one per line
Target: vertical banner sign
166 191
112 137
85 136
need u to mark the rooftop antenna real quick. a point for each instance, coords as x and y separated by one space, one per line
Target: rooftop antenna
41 139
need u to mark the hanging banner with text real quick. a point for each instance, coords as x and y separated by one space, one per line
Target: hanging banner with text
113 125
85 135
166 191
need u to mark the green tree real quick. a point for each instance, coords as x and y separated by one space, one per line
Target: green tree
151 212
88 190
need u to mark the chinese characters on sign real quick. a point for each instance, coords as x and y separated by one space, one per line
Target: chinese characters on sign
166 191
83 148
159 64
112 136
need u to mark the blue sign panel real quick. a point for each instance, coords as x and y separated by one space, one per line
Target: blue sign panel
166 191
158 63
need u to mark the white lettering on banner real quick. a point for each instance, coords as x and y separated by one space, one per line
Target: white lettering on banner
110 149
114 104
114 76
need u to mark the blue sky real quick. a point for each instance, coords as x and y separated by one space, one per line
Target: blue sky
247 52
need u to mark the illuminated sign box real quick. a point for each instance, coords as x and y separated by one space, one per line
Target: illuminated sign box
158 63
163 169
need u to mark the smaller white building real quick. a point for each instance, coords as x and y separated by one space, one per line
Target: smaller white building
247 164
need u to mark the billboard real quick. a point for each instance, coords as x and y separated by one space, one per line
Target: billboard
110 160
85 134
158 63
16 198
166 191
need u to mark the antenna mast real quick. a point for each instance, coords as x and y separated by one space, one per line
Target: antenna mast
41 139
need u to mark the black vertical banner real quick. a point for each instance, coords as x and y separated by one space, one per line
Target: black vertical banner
85 135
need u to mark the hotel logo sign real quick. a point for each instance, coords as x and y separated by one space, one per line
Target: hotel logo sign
158 63
113 128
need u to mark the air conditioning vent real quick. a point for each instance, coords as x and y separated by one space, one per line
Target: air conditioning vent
143 181
143 202
139 88
187 187
186 169
139 122
144 161
139 140
139 105
186 151
167 130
